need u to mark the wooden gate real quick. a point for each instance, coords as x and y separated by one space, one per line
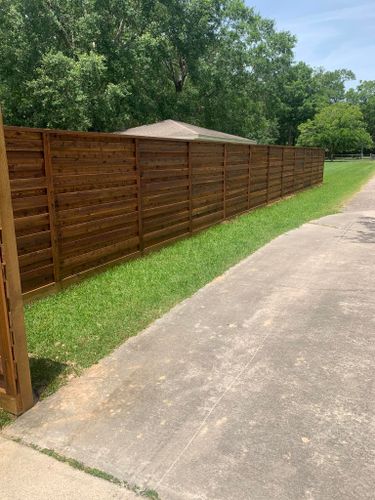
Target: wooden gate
15 383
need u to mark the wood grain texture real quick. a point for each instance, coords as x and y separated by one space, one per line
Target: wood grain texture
83 201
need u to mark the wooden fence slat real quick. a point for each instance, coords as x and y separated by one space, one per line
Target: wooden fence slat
224 181
139 195
51 207
282 172
190 167
7 362
268 174
249 180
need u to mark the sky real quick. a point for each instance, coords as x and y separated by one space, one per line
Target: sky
334 34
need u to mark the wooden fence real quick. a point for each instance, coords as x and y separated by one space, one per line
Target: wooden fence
82 201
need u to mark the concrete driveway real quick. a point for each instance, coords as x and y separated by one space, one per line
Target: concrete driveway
260 386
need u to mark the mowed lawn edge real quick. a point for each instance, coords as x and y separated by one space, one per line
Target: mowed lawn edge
75 328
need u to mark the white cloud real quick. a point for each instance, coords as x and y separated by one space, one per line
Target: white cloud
333 34
362 12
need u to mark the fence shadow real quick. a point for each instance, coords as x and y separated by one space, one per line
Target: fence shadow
46 372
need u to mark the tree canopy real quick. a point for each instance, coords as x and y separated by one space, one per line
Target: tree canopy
364 96
112 64
338 128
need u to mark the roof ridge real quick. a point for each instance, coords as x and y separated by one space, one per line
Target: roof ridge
186 126
189 125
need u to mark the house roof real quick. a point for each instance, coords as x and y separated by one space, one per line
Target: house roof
172 129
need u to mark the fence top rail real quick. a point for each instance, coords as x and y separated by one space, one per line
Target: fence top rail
118 135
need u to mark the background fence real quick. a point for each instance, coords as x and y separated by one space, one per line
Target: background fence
85 200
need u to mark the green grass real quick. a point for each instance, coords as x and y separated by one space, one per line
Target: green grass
5 418
75 464
75 328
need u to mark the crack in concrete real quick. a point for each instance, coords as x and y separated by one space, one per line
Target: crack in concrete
215 405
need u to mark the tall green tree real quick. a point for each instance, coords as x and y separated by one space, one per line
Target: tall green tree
303 91
364 96
233 87
337 128
112 64
296 103
330 86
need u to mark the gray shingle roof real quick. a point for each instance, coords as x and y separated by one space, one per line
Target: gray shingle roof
172 129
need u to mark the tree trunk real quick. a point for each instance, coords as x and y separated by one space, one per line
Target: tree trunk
290 137
179 84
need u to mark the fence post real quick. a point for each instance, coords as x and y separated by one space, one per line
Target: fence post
248 180
139 195
268 174
225 183
24 398
7 363
282 171
51 207
190 188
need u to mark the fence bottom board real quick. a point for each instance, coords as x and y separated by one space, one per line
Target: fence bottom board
9 404
51 288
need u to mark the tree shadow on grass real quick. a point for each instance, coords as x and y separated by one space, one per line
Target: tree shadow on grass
47 375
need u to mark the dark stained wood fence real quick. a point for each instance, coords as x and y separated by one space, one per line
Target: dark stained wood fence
82 201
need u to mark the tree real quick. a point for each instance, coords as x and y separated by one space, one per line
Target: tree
295 104
364 96
330 86
112 64
338 128
302 92
109 64
233 88
75 94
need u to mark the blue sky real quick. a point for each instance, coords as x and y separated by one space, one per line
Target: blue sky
333 33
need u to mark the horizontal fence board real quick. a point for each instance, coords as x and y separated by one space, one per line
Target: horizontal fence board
93 199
